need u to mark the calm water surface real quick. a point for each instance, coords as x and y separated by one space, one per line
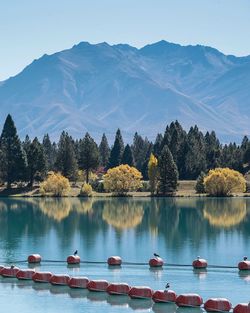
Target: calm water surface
178 229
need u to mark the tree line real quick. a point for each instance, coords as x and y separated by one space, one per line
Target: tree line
191 151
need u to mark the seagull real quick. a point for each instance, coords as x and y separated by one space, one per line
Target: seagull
167 286
75 253
156 255
245 258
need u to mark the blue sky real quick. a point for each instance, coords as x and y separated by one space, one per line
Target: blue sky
30 28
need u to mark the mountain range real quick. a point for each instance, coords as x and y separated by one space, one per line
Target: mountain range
100 87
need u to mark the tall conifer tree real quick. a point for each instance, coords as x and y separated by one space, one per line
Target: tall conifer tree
89 155
66 161
104 151
36 161
168 173
116 151
127 157
13 159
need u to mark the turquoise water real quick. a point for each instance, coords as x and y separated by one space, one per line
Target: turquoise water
177 229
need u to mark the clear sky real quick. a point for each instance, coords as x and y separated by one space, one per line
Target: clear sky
30 28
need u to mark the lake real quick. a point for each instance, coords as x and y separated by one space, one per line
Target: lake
179 229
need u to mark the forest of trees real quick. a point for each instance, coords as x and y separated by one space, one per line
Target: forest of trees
192 152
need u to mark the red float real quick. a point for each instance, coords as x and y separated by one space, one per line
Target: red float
242 308
25 274
217 305
156 262
189 300
118 289
114 260
164 296
59 280
73 259
141 292
9 271
200 263
78 282
42 277
244 265
97 285
34 258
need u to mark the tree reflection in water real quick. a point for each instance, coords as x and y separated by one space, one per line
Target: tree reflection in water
123 213
226 212
176 221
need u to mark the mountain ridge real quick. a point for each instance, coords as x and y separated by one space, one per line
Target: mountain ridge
101 87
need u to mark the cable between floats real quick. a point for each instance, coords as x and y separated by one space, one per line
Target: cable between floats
127 263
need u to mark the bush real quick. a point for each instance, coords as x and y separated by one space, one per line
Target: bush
98 186
145 186
86 190
224 182
55 184
122 179
199 187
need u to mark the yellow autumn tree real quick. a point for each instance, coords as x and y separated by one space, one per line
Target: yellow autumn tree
153 173
55 185
122 179
224 182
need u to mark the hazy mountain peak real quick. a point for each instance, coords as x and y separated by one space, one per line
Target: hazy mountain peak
100 87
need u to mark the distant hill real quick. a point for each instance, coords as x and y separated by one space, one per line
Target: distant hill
98 88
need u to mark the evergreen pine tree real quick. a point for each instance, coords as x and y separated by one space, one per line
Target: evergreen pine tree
199 187
104 151
89 155
127 157
50 152
66 162
158 145
116 151
168 173
13 160
195 156
140 148
213 150
36 161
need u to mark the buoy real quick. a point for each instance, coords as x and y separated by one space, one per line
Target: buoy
242 308
244 265
97 285
42 277
25 274
73 259
156 262
78 282
34 258
118 289
114 260
59 279
9 271
217 305
164 296
189 300
141 292
199 263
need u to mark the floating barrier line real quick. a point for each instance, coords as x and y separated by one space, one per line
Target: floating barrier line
125 263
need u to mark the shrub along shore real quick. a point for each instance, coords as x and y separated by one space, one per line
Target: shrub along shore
186 188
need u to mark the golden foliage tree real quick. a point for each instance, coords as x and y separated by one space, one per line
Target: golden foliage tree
86 190
122 179
153 173
224 182
56 185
